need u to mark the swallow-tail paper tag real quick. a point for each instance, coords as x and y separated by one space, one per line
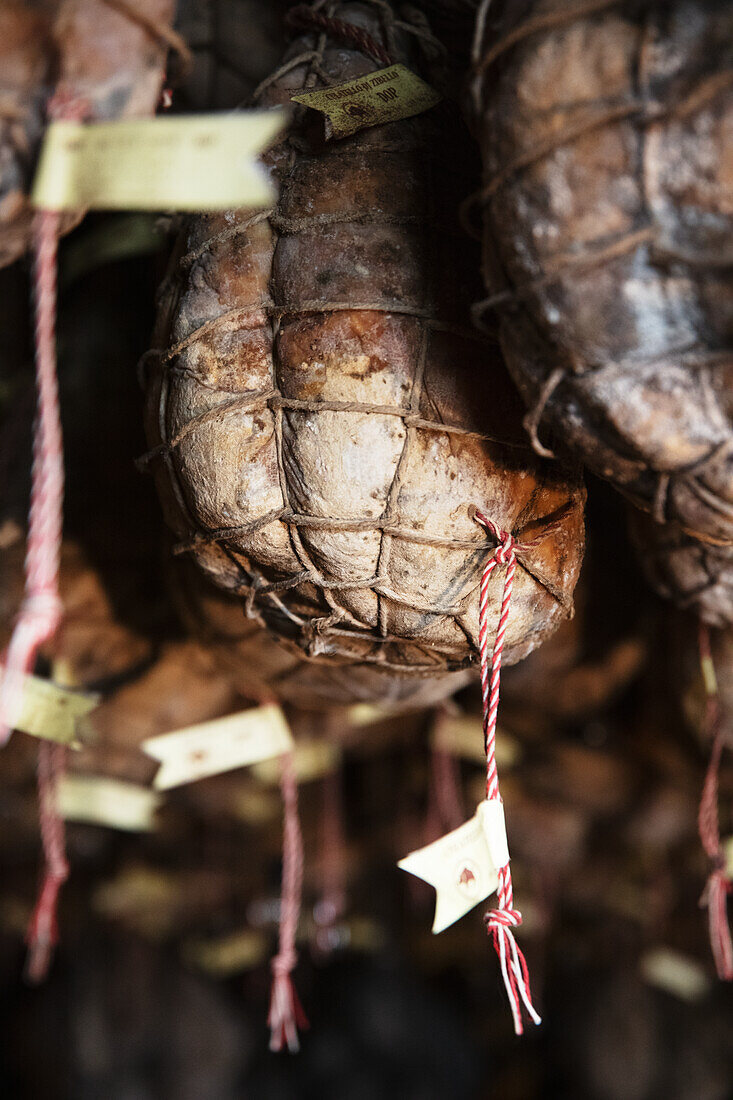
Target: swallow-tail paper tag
196 162
51 712
210 748
386 95
99 800
463 865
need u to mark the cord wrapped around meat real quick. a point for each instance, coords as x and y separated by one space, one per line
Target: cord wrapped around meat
109 53
696 576
323 421
261 664
608 199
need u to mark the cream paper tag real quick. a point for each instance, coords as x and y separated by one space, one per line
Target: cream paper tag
232 954
312 759
51 712
463 865
677 974
463 735
709 677
98 800
198 162
210 748
368 714
383 96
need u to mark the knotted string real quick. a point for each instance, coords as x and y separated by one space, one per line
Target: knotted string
715 895
501 921
41 610
286 1013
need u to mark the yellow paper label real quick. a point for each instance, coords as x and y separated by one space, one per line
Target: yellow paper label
708 675
98 800
219 746
51 712
228 955
383 96
199 162
463 865
367 714
312 759
463 735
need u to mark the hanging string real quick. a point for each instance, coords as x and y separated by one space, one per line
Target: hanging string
501 921
715 895
42 933
286 1013
41 610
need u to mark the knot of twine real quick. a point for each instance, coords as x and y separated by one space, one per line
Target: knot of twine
304 17
286 1014
500 921
715 895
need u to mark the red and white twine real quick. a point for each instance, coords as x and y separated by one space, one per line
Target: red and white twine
286 1012
501 921
41 610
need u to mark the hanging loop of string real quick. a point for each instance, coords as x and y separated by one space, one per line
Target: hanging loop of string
501 920
286 1012
715 895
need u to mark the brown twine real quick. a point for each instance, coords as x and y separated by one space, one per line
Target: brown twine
543 22
304 17
567 263
271 399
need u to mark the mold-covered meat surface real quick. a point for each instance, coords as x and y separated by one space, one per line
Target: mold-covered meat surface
322 417
608 200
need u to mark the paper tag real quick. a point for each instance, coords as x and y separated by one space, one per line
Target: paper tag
98 800
228 955
144 898
51 712
199 162
677 974
708 675
383 96
463 735
368 714
312 759
463 865
219 746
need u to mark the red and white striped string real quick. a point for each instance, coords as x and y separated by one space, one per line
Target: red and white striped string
715 896
501 921
41 610
286 1012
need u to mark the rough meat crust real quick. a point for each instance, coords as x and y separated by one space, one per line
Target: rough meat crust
355 514
617 243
